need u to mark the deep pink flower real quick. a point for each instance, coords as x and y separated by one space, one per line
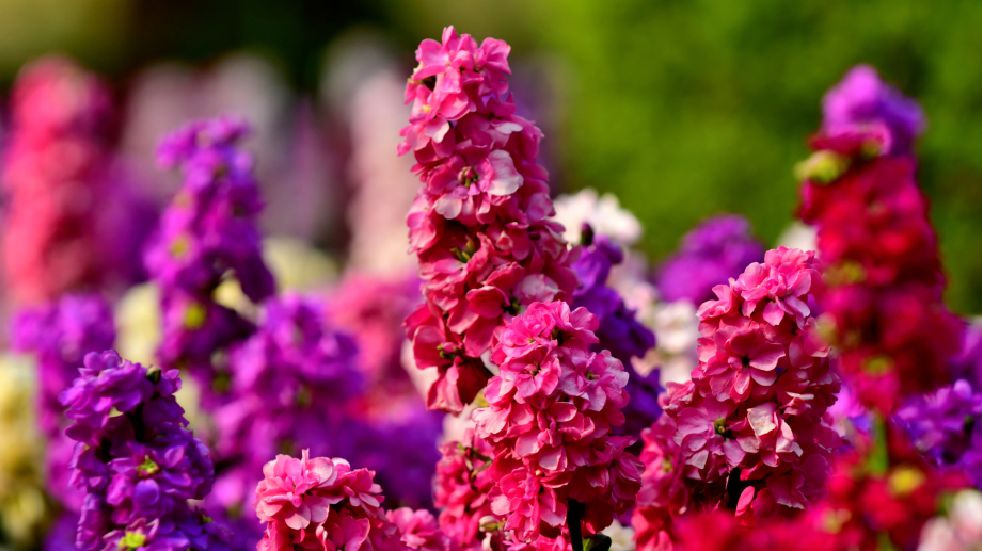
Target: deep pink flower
479 226
548 422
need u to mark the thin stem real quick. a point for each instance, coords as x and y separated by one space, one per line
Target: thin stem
574 517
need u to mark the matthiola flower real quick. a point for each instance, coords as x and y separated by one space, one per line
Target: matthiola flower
479 225
23 507
619 329
462 485
418 529
714 251
136 461
870 503
293 380
59 335
209 231
550 413
322 503
883 304
861 99
947 426
59 234
750 431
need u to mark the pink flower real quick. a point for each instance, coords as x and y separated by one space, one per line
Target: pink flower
479 225
549 416
749 432
321 504
418 529
293 490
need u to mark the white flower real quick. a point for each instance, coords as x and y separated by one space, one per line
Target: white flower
603 213
676 327
798 236
961 530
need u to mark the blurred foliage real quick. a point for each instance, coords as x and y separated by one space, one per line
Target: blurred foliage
683 109
686 109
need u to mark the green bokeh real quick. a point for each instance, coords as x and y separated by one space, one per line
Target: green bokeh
686 109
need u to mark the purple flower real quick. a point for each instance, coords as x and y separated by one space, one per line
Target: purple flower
136 461
619 330
711 253
946 425
59 335
968 363
209 232
295 379
861 99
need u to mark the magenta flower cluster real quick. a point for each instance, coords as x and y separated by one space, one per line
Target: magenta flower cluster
883 306
749 432
480 224
322 503
549 420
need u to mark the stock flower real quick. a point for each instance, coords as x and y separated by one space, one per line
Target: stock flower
883 305
479 225
59 335
209 231
750 431
946 425
462 485
293 380
861 99
136 461
602 213
548 423
58 237
714 251
322 503
23 507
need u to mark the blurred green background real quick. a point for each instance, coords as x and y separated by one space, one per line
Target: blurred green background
683 109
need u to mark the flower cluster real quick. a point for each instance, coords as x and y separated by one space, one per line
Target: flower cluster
710 254
322 503
749 432
863 101
549 420
883 303
479 225
59 235
59 336
293 381
136 460
208 232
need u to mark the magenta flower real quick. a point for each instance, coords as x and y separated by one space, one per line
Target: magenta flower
749 432
479 226
550 413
